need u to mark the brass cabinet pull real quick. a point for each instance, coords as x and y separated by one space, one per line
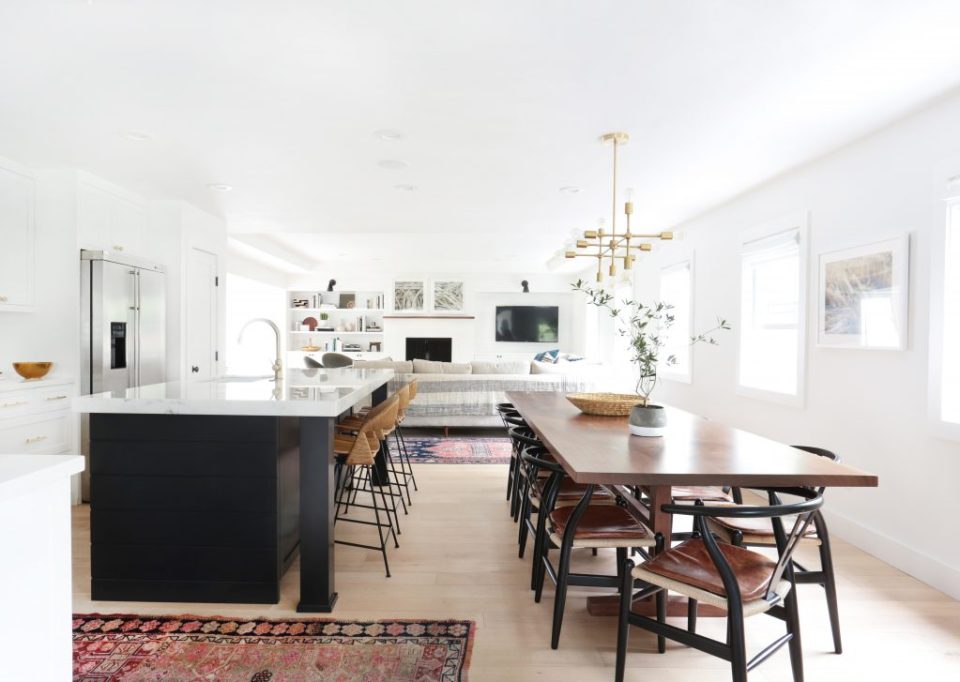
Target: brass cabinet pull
57 397
3 299
14 404
35 439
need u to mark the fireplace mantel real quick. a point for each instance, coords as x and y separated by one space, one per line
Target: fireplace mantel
429 317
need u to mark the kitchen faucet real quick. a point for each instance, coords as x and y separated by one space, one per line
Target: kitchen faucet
278 363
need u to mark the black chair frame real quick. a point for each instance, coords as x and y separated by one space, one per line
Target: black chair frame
561 576
734 649
824 577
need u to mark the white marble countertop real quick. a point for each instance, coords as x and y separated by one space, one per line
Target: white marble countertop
21 473
300 393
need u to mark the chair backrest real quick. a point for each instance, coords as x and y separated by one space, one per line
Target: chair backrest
311 363
373 429
804 511
389 416
524 437
819 452
403 393
363 451
413 389
334 360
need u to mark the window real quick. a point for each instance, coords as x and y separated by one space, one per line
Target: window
245 300
772 313
950 367
676 290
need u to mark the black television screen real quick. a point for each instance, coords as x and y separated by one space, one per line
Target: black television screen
528 323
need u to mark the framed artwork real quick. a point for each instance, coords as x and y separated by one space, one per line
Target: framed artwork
863 296
408 296
448 296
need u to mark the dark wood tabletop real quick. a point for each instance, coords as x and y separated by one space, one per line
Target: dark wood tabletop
693 451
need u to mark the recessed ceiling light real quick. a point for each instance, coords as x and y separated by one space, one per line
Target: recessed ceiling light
570 189
406 188
218 187
388 135
137 135
392 164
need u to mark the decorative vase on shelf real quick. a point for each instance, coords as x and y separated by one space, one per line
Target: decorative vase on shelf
648 420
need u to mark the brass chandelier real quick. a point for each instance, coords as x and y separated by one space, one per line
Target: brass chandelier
602 244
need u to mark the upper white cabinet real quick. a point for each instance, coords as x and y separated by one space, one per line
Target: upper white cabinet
17 239
108 221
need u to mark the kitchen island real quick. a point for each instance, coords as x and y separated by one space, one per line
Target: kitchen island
206 491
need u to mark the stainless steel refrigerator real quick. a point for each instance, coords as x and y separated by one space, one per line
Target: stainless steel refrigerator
123 327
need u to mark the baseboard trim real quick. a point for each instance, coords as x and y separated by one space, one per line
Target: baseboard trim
893 551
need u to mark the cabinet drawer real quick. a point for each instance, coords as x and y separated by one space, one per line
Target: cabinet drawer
34 436
34 400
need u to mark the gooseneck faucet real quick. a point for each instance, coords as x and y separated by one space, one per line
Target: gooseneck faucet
278 363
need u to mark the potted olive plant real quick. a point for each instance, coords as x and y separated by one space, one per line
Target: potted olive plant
645 326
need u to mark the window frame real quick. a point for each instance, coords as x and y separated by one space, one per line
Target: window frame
668 372
800 222
949 199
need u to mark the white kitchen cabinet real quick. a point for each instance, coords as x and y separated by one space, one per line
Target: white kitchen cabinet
35 574
17 240
35 418
109 222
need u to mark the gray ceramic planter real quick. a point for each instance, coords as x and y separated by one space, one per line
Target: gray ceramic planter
650 421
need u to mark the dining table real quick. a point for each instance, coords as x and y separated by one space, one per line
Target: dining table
693 451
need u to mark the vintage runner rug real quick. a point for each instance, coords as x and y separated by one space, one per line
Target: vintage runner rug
452 450
132 648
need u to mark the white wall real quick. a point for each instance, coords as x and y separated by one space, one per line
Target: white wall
869 406
176 227
482 293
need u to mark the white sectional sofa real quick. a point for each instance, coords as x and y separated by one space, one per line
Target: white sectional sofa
466 394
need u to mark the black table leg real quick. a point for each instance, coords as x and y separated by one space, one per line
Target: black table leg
317 593
381 476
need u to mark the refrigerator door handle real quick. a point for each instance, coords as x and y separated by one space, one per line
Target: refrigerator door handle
137 328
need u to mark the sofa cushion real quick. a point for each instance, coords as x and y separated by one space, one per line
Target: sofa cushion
427 367
398 366
456 368
547 355
538 367
483 367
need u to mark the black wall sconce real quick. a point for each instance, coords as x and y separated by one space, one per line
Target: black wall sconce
332 283
526 286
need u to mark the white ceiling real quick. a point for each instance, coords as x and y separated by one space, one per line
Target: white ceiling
500 103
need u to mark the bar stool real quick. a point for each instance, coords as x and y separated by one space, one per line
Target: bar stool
356 455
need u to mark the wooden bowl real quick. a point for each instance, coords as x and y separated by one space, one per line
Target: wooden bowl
32 370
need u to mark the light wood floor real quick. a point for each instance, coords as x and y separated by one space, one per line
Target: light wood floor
457 559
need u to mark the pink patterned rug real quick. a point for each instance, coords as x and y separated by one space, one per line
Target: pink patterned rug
463 450
129 648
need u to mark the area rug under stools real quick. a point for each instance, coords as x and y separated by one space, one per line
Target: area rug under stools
180 648
467 450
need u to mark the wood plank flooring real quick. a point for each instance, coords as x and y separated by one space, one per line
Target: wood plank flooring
457 559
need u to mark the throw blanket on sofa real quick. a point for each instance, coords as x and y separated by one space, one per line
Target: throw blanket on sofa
476 395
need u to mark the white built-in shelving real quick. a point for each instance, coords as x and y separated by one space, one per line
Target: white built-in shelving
355 330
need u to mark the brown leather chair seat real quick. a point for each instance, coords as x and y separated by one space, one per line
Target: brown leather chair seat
690 563
602 525
570 490
757 531
707 493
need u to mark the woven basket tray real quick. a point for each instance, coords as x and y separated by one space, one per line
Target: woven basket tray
605 404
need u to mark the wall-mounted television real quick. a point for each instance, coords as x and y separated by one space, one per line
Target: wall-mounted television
528 323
